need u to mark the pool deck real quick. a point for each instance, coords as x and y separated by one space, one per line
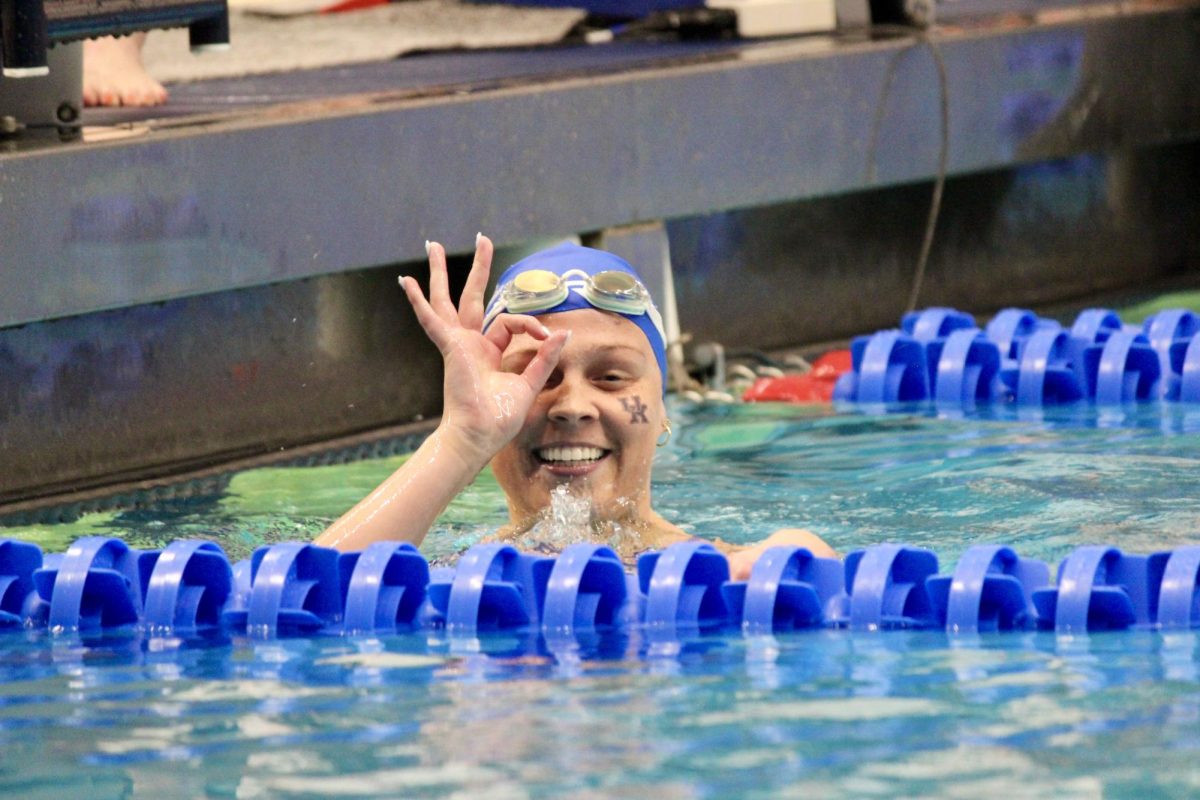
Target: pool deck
367 35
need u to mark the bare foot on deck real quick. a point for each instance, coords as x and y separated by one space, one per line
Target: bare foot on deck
113 74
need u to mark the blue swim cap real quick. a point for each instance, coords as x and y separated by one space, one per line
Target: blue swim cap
577 264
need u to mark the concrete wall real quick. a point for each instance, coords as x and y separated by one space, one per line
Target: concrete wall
131 393
833 267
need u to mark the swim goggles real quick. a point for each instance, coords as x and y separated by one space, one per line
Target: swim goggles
537 290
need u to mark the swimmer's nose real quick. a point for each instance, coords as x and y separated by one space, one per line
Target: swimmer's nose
571 401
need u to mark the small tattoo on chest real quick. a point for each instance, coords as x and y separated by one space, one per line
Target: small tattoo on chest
636 408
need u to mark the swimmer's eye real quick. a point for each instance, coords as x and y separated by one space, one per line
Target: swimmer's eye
613 378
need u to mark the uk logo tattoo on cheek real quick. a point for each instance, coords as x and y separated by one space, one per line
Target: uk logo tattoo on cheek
636 408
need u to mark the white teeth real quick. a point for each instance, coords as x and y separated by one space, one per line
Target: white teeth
570 453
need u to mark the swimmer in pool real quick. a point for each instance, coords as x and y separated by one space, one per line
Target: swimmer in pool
558 383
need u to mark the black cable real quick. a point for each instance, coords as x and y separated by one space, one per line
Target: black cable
683 24
920 38
939 184
756 356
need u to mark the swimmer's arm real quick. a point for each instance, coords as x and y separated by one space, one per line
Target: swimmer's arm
483 407
742 558
403 508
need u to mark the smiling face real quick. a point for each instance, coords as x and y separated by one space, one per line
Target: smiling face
593 426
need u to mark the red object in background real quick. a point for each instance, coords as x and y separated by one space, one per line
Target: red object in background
352 5
815 386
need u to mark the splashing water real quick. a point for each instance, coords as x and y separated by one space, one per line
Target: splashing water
567 520
571 518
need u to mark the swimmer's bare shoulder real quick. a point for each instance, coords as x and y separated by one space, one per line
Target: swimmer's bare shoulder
742 557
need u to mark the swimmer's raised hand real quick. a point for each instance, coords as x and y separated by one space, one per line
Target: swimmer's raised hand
484 407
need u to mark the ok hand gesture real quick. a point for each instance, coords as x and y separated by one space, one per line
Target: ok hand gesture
484 407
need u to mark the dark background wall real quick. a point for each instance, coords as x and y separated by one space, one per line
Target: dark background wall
833 267
164 388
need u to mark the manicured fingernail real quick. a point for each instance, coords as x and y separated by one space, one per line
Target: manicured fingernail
426 247
401 280
478 236
545 331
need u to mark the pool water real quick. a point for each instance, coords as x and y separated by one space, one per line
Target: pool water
810 714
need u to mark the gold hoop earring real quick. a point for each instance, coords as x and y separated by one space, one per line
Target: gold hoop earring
666 432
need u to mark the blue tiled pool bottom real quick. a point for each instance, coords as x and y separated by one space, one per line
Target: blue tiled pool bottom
812 713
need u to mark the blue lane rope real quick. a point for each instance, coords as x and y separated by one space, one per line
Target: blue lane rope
300 589
939 355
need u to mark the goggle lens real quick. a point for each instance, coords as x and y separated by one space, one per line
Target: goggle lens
537 281
617 291
616 283
534 290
